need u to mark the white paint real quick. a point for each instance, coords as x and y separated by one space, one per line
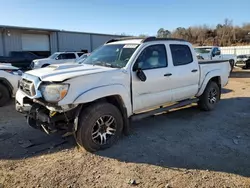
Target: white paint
91 82
13 79
35 42
236 50
53 59
210 56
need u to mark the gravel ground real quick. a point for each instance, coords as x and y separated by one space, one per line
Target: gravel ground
184 148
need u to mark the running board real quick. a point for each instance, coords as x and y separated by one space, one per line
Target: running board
159 110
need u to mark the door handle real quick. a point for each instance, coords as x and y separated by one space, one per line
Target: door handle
194 70
168 74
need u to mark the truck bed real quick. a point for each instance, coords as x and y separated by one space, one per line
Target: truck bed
212 61
222 67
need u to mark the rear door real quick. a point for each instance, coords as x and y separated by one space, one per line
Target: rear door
185 72
156 89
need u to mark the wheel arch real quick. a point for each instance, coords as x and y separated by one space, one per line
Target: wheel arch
211 76
115 94
7 84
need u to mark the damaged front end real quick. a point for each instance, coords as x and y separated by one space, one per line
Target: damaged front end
39 102
49 119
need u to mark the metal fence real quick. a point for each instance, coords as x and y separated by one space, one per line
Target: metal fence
236 50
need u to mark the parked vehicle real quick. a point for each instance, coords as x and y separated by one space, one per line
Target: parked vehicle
125 79
242 59
247 64
56 58
214 53
20 59
9 77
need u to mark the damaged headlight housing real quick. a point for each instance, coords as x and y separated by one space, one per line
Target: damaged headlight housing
53 92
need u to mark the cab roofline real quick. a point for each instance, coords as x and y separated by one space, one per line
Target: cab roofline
144 40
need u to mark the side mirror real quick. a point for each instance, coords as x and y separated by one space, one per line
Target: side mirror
141 75
217 52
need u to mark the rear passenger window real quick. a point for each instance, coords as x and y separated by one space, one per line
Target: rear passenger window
181 54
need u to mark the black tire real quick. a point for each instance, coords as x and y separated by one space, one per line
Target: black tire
231 61
88 126
207 101
247 64
4 95
45 65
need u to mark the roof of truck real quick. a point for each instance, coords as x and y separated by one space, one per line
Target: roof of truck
139 40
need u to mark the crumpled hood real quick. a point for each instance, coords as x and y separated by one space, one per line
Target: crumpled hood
61 72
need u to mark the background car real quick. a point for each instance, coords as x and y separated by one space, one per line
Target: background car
9 77
20 59
56 58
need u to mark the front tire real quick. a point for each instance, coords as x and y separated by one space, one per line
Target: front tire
4 95
210 97
100 126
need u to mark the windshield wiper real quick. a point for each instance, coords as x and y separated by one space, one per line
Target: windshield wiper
102 63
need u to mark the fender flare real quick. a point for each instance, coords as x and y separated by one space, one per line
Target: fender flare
106 91
208 77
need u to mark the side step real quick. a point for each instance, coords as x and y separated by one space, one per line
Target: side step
159 110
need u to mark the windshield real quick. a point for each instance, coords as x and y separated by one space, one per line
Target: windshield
53 56
81 59
114 55
203 50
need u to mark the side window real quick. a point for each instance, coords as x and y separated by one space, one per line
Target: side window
181 54
152 57
66 56
69 56
60 56
80 54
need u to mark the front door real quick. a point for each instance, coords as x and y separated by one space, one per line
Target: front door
156 89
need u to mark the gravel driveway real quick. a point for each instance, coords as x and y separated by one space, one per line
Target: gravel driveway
182 148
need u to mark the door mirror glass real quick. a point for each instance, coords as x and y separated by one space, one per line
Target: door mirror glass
217 52
141 75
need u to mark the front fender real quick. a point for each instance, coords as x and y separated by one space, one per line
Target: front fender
105 91
208 77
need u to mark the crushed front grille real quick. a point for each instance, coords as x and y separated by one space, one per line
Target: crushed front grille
27 87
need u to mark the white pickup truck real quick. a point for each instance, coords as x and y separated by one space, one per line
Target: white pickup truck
214 53
125 79
55 58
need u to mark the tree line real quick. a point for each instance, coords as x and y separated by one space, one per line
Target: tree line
225 34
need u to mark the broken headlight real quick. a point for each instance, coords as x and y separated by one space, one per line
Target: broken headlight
53 92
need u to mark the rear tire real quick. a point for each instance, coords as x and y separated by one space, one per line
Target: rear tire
4 95
210 97
100 126
231 61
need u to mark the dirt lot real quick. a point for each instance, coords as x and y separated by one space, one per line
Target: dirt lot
185 148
